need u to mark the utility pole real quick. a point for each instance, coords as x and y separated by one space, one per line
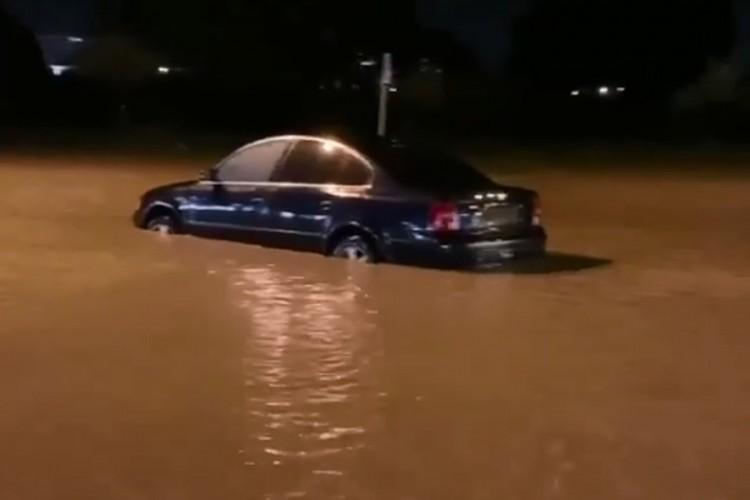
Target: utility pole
386 80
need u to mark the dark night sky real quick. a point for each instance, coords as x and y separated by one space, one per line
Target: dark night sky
482 24
56 16
486 26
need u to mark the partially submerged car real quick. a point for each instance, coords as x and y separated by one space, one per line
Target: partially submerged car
380 202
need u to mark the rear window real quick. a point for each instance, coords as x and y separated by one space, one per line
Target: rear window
432 171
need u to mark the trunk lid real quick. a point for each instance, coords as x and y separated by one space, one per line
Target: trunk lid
498 213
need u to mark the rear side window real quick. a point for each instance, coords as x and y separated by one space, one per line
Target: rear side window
314 162
254 164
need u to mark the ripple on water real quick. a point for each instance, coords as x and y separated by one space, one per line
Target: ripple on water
309 369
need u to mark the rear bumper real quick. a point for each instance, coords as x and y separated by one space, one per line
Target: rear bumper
475 255
491 253
499 252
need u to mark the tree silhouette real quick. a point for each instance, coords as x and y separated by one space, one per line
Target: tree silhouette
22 67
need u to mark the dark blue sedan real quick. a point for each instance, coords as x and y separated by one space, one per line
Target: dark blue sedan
380 202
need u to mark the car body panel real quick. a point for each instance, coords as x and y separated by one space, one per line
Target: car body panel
300 217
497 222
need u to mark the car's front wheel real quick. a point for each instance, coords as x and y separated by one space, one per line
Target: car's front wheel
163 224
355 248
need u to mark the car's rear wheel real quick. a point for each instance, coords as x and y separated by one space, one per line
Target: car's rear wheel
355 248
163 224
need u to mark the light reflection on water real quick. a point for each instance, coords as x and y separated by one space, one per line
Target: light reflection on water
310 363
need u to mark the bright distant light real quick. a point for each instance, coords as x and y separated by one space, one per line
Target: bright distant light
367 62
393 89
603 90
75 39
621 89
575 93
59 70
164 70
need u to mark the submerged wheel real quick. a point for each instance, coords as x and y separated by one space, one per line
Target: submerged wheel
164 224
355 248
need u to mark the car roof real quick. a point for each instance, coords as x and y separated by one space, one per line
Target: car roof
367 149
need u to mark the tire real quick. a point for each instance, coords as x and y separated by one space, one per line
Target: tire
164 224
355 248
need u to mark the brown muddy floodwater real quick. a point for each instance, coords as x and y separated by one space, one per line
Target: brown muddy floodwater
138 367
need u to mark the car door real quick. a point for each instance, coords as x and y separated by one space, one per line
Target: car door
311 180
232 204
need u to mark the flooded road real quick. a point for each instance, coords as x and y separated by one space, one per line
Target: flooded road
138 367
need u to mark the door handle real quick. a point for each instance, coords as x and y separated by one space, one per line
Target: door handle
326 205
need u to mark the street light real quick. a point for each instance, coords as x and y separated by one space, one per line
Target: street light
386 84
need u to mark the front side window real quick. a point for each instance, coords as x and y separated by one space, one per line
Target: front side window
316 162
253 164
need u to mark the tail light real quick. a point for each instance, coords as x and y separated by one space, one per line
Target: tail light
444 217
536 210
